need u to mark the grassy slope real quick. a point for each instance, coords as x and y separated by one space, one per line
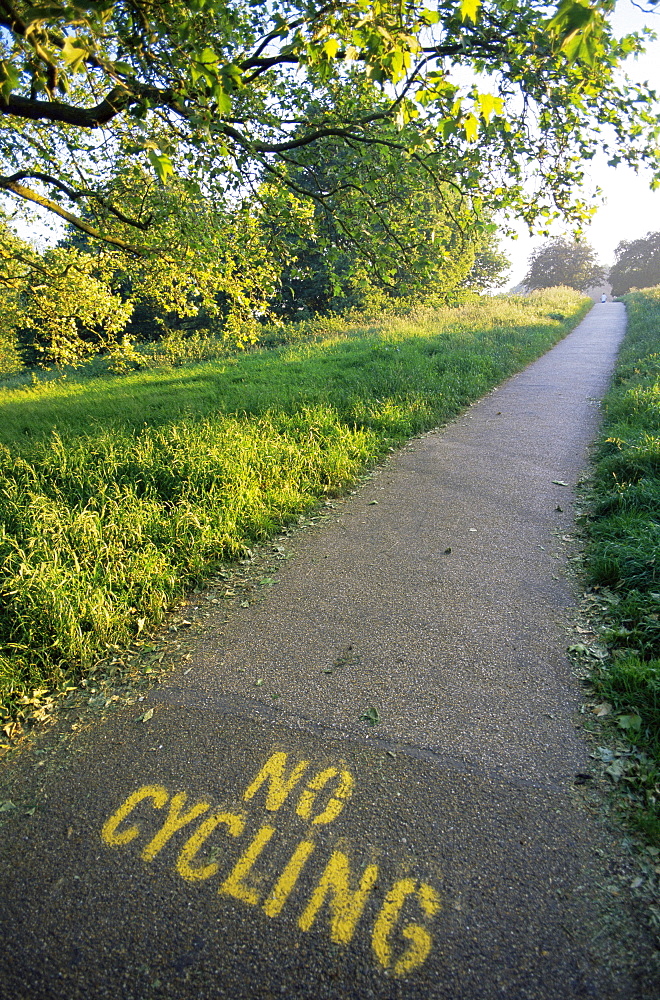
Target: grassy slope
118 494
623 561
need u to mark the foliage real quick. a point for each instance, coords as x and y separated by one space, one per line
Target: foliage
84 297
637 264
216 94
72 314
153 478
14 255
490 268
10 357
563 262
386 227
10 319
621 559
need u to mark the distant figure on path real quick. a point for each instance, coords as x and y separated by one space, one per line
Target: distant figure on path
603 297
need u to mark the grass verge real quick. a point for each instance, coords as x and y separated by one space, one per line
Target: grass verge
622 566
119 494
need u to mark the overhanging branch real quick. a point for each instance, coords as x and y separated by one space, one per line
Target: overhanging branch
27 194
73 195
54 111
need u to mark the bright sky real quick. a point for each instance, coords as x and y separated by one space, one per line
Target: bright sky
631 209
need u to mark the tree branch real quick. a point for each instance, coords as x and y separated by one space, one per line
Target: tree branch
78 195
7 184
22 107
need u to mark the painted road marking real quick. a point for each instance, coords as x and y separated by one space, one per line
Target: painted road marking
400 937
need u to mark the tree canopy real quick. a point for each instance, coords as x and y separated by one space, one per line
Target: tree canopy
384 225
637 264
226 95
564 262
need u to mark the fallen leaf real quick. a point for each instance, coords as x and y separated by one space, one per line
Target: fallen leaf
6 806
630 722
259 682
616 768
147 715
372 503
447 551
603 709
371 716
559 482
12 730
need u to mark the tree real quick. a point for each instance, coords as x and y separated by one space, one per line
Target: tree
637 264
13 255
73 314
491 267
386 225
215 271
213 92
562 262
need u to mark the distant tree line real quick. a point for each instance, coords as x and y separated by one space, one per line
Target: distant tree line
565 262
637 264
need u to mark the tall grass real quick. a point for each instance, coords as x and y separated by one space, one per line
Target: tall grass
623 553
118 494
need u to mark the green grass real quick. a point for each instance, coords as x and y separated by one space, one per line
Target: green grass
119 494
623 555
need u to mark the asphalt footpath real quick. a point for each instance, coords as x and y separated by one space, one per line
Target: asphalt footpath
368 783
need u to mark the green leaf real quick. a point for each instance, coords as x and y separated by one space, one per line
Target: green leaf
488 105
10 78
469 8
161 163
208 57
74 53
575 26
222 99
630 722
617 768
471 126
371 716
